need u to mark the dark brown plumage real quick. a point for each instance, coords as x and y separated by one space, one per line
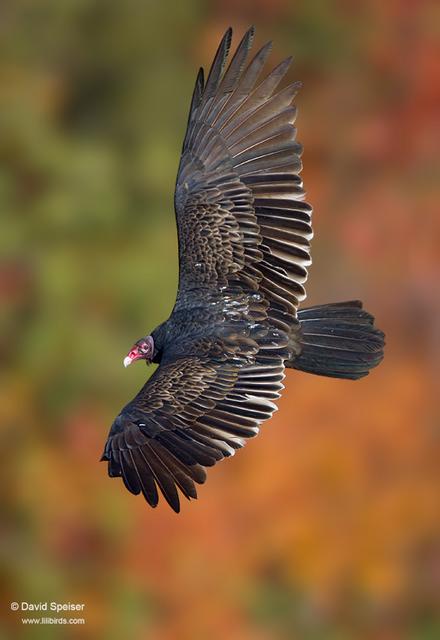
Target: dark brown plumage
244 238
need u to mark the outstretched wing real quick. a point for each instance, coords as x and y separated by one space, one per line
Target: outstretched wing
194 411
241 216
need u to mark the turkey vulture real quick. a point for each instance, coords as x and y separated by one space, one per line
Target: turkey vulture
244 234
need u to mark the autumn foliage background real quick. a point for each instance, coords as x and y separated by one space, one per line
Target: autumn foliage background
327 526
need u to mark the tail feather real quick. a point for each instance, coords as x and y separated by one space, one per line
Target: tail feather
338 340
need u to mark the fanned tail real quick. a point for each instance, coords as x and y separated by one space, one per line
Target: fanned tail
338 340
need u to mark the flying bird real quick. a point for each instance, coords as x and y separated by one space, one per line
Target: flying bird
244 232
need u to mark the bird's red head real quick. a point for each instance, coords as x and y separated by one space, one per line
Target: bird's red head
143 349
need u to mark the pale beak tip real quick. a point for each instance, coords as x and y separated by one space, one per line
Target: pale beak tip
127 361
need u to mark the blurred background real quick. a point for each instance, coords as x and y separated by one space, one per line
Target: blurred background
327 526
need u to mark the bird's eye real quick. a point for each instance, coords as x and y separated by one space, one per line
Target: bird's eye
144 348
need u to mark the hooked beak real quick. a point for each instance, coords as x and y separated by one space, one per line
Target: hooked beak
142 350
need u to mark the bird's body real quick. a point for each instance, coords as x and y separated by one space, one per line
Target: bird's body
244 239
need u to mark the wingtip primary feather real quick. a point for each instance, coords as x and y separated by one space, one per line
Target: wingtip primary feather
218 64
